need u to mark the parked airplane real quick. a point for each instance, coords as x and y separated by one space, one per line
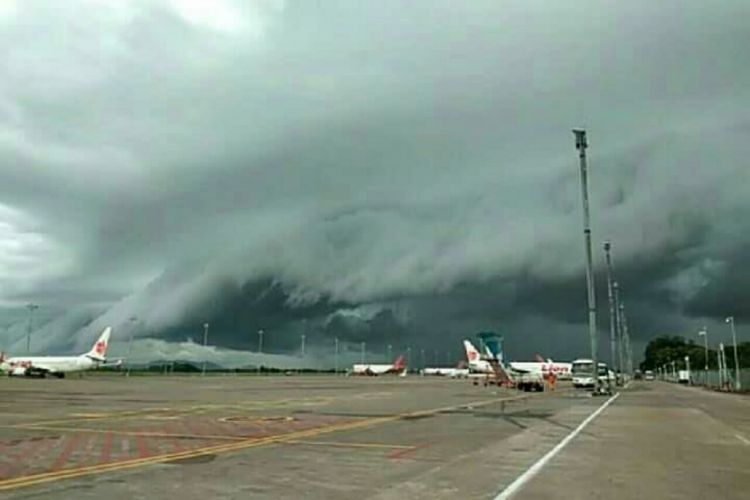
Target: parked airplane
397 368
491 365
447 372
477 363
544 367
59 365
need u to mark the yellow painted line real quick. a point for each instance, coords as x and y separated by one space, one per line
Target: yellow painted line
344 444
34 479
139 433
175 411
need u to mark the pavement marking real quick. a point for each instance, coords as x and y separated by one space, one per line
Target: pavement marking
140 433
70 446
178 411
107 448
532 471
45 477
403 453
344 444
742 438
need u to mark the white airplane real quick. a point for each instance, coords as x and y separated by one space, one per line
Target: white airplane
476 363
491 365
543 367
58 366
397 368
446 372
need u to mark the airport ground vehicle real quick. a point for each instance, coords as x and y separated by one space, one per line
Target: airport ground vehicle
683 377
583 377
648 375
529 382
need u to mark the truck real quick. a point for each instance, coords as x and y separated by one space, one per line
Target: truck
529 382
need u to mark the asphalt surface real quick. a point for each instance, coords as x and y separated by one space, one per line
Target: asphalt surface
339 438
658 440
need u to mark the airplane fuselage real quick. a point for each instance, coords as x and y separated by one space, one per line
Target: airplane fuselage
48 364
561 370
364 369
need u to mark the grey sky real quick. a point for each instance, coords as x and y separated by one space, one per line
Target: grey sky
388 171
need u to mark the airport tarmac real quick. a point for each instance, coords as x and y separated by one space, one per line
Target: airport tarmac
300 437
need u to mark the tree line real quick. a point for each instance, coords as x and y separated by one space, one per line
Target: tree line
665 349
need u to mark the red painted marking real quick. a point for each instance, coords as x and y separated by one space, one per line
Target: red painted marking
70 446
106 455
405 451
125 447
140 442
176 443
17 461
100 347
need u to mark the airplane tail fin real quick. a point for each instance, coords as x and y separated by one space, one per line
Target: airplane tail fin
539 358
400 363
2 357
472 354
99 350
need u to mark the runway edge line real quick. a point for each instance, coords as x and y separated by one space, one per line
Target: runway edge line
532 471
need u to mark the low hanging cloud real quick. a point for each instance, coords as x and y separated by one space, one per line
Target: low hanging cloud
397 174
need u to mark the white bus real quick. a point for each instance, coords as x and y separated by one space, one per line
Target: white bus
582 370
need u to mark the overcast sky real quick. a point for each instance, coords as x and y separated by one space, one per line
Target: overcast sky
389 172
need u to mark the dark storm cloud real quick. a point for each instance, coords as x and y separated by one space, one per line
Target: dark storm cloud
394 174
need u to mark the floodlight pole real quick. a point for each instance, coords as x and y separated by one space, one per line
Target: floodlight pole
336 355
612 314
737 383
132 320
205 343
31 307
581 145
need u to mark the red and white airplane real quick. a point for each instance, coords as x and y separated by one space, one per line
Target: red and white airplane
58 366
544 367
397 368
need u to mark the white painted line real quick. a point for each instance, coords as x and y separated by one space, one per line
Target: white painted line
532 471
742 438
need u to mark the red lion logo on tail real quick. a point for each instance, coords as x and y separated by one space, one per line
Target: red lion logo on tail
100 347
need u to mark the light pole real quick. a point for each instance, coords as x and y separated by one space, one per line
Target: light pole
362 347
721 367
302 345
132 321
612 314
625 341
390 353
724 364
423 358
336 355
737 383
704 333
618 329
31 307
581 145
205 343
408 358
260 347
687 366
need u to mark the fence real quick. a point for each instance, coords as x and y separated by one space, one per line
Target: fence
711 379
